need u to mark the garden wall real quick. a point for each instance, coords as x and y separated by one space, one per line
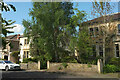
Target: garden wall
70 66
74 67
29 65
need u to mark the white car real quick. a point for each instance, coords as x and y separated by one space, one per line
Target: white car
8 65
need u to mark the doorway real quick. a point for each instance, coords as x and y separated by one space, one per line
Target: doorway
6 57
43 64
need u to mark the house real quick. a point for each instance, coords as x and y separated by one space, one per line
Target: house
24 48
11 46
109 24
101 29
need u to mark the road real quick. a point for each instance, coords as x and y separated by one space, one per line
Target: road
43 75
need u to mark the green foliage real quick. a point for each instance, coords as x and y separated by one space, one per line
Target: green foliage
84 44
26 60
64 65
115 61
59 68
7 7
69 59
2 59
18 62
5 24
50 29
110 68
15 53
43 64
53 28
89 65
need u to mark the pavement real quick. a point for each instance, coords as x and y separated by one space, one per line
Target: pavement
45 75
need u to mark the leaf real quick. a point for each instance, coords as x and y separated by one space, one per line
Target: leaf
12 7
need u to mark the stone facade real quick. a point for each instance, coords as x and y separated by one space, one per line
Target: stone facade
11 46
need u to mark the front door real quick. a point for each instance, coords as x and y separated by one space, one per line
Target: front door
6 57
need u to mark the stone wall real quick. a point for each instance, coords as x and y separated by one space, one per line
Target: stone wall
32 65
29 65
71 66
74 67
23 65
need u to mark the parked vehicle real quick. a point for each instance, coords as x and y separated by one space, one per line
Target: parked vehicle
8 65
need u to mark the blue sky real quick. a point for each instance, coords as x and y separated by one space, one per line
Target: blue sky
23 10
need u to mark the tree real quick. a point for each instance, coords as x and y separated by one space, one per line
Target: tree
80 41
49 29
4 24
102 9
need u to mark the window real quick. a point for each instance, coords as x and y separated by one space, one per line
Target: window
117 50
24 55
101 50
96 31
118 28
25 41
27 54
94 50
91 32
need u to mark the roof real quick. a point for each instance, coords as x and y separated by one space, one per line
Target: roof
111 17
13 37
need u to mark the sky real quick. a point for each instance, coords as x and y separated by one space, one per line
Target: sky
22 12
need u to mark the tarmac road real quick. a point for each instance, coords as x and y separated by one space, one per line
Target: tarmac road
43 75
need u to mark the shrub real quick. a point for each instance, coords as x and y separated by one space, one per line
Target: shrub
110 68
65 65
43 64
59 68
15 57
26 60
89 65
115 61
15 53
18 62
69 59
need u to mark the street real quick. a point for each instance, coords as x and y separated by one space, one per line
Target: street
43 75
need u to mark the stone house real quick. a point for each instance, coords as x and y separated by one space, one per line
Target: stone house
11 46
98 28
105 35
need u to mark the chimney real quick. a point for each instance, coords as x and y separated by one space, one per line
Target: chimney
18 36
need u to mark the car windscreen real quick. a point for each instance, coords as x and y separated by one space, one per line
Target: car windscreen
9 62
